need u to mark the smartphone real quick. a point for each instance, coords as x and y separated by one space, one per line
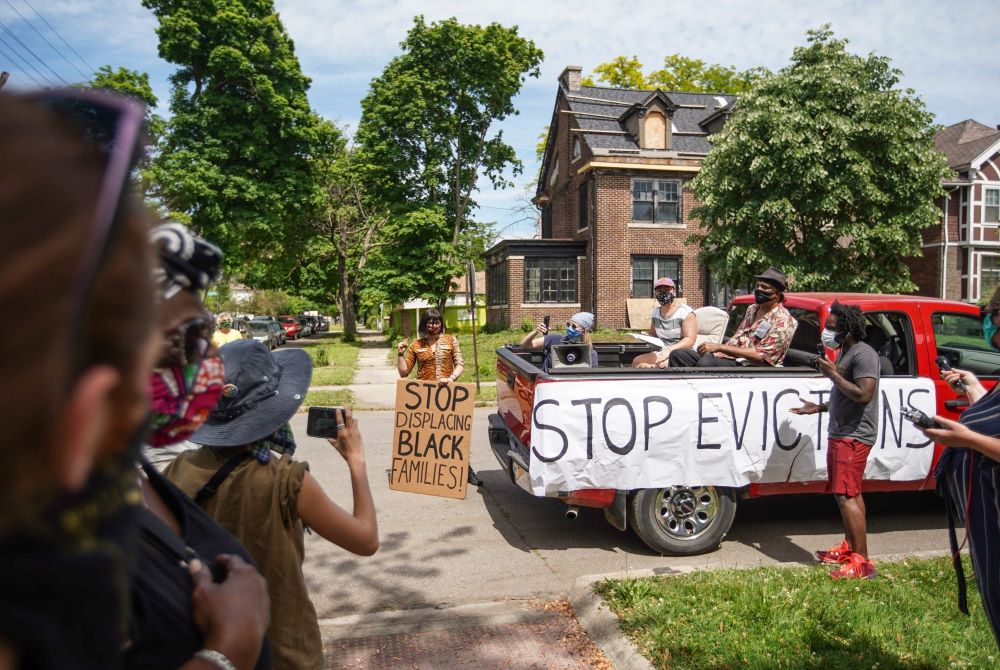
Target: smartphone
945 366
323 421
546 319
918 418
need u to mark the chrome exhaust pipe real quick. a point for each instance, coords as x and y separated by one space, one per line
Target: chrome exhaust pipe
572 512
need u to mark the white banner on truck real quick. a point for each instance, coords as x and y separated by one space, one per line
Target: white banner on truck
708 431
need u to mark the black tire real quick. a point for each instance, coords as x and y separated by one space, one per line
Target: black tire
682 520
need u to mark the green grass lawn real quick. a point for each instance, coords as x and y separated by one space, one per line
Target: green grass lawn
333 360
341 398
800 618
488 343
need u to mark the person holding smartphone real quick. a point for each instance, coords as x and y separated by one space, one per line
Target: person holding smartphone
267 501
853 408
968 478
578 330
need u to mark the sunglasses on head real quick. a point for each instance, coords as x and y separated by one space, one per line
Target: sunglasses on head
113 125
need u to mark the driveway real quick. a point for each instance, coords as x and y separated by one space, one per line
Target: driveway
500 543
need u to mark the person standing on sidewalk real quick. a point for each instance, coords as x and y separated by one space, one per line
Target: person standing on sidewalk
437 357
853 408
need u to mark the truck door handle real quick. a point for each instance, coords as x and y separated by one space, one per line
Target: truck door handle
956 403
510 379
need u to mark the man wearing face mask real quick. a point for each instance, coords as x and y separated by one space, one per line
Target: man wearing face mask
853 408
225 332
762 338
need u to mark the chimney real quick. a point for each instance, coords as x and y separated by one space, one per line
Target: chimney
570 77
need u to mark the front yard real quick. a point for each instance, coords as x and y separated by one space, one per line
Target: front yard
800 618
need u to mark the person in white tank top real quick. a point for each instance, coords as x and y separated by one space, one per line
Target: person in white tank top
673 322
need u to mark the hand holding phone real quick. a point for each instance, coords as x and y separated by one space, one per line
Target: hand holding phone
545 324
918 418
945 366
323 422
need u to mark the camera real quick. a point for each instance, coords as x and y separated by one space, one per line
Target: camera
323 421
918 418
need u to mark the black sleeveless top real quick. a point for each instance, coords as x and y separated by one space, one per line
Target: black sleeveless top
162 630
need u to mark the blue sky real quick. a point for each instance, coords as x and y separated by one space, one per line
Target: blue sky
945 50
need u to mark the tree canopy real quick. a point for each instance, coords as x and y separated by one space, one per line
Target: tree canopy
679 73
428 129
827 169
236 158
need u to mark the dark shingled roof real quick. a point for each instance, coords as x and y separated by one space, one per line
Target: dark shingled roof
615 102
964 141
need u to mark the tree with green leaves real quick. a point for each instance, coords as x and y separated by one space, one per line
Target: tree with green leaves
134 84
236 158
827 170
679 73
426 130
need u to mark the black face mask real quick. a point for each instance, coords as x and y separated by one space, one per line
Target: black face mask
760 297
664 298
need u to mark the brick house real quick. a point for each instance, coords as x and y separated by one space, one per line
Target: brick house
615 207
961 258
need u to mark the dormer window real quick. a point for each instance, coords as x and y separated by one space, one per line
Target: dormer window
655 130
650 122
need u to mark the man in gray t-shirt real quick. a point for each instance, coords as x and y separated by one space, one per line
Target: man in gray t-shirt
853 408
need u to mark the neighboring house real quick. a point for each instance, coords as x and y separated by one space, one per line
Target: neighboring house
615 207
457 312
961 258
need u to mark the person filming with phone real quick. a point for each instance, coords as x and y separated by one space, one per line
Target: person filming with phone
578 330
853 408
968 478
245 478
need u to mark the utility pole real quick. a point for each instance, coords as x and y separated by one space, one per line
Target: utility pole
471 285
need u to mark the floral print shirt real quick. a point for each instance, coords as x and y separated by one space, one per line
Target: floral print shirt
770 336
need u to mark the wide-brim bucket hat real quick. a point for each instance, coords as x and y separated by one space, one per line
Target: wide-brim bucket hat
261 393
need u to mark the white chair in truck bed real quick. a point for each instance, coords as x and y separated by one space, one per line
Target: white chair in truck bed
712 323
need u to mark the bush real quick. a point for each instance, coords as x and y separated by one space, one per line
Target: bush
391 335
321 358
527 325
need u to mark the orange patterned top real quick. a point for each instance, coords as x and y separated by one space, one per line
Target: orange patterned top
433 364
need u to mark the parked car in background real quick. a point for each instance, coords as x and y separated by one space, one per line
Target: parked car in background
293 329
261 330
307 328
313 324
279 332
242 324
324 324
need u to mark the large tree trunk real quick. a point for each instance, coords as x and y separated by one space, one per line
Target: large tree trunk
346 302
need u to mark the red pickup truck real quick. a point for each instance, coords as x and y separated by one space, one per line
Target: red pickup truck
669 453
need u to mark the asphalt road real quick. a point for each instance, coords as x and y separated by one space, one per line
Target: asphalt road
501 543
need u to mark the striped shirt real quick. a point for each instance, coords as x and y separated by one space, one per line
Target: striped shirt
435 362
668 328
969 480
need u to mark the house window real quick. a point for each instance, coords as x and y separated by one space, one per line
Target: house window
582 206
989 273
496 284
550 280
992 201
656 201
547 222
576 148
647 269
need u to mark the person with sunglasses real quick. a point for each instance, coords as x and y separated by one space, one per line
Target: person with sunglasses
74 399
578 330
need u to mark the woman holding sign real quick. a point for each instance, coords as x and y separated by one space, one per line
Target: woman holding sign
436 356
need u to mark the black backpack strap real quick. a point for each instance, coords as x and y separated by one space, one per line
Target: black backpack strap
212 486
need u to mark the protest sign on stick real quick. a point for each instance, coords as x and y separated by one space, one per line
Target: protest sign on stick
432 438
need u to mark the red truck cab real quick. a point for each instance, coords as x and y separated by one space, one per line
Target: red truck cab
907 332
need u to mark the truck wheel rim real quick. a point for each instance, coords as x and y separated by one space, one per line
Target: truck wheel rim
687 513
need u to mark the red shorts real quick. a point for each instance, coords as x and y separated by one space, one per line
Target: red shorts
845 465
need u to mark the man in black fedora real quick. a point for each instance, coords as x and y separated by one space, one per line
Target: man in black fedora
762 338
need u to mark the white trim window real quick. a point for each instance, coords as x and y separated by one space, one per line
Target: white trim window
656 201
647 269
991 205
989 274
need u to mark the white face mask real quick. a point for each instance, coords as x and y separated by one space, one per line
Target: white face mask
829 339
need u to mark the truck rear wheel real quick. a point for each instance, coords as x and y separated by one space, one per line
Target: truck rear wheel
683 520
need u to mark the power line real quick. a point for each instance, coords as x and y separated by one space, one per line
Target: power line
6 55
56 32
26 62
28 49
46 40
